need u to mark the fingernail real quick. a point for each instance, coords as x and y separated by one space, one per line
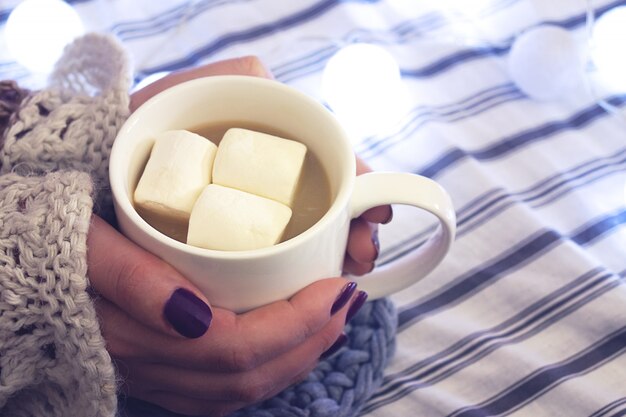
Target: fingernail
341 340
189 315
390 218
356 305
376 243
344 296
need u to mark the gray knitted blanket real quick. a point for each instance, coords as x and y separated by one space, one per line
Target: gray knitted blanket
54 160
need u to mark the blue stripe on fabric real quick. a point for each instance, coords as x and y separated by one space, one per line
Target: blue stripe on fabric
233 38
434 19
513 143
313 65
466 285
398 34
4 15
162 20
413 242
489 204
544 379
410 129
568 287
319 61
419 116
561 305
460 57
450 61
305 60
376 145
576 121
609 407
323 54
489 209
417 382
470 283
546 304
420 25
596 228
8 64
549 195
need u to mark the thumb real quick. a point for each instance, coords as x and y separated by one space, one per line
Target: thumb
144 286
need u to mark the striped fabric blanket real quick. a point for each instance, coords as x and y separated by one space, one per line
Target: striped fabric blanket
526 316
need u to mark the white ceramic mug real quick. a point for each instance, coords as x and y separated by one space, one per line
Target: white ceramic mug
244 280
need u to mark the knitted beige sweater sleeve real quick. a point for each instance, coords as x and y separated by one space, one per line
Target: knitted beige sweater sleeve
54 160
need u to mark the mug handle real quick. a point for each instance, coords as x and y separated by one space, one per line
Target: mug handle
381 188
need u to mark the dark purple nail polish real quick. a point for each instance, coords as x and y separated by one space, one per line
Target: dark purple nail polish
356 305
341 340
189 315
376 243
344 296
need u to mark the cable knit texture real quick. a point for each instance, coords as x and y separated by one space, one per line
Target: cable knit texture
53 360
73 123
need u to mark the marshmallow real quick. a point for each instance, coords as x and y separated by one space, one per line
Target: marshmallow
179 168
258 163
228 219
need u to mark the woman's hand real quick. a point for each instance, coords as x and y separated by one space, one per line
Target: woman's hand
173 350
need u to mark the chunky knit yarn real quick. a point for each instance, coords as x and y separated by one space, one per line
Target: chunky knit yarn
73 123
53 360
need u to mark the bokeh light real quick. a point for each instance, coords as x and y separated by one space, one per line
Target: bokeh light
37 31
547 63
609 37
362 85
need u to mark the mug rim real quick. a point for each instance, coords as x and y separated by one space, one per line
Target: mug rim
122 198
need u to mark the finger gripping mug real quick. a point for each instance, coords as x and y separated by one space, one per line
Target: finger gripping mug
243 280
